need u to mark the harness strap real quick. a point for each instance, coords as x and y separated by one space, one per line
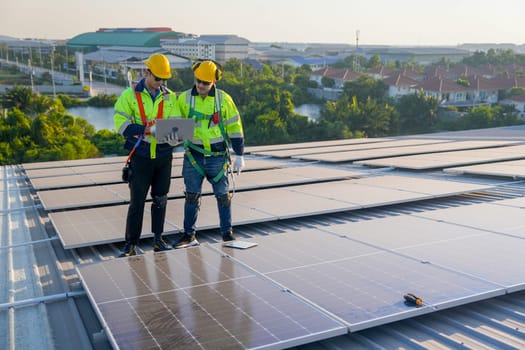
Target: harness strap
193 162
146 123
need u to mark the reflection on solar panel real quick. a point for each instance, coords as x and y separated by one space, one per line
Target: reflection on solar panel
481 216
401 151
274 204
513 169
198 299
360 284
448 159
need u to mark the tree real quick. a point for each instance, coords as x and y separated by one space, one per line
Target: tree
365 87
417 113
327 82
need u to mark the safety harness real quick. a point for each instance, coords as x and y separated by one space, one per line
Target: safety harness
216 117
146 123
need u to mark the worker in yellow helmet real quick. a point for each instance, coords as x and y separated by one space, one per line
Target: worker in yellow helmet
136 111
217 128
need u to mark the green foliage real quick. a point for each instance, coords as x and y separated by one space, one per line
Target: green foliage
417 113
365 87
327 82
49 133
102 100
109 142
68 101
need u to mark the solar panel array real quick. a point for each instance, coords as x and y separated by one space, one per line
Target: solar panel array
300 286
199 299
364 145
423 148
266 205
351 273
119 193
450 159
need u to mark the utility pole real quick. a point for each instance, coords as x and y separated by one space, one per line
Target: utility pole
53 70
31 75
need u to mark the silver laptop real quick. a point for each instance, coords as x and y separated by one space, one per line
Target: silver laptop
180 128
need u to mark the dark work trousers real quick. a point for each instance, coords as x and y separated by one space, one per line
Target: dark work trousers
146 173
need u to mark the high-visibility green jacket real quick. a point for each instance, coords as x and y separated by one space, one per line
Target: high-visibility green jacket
128 121
206 112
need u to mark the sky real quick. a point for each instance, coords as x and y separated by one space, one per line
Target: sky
378 22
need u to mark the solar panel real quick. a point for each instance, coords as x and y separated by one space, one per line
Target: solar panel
80 228
357 282
73 163
198 298
400 151
284 153
449 159
509 214
513 169
79 197
289 146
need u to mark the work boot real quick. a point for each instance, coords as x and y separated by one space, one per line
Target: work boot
129 250
228 236
160 245
185 241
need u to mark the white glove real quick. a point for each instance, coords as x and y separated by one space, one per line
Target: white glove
238 164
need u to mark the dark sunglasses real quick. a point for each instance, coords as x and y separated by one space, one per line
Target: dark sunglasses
205 83
156 78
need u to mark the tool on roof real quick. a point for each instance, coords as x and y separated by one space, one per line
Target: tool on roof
411 299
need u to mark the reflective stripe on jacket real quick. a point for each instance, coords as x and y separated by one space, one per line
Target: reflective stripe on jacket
207 132
128 121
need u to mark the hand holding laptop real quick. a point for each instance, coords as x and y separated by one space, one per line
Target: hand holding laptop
174 130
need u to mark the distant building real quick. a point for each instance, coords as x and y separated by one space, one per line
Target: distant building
227 46
420 55
518 102
220 48
189 47
127 37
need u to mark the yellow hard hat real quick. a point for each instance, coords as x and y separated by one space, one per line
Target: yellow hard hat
207 71
159 65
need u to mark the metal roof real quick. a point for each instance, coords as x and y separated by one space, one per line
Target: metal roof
133 39
43 304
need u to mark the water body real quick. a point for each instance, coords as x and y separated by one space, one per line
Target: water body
313 112
99 117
